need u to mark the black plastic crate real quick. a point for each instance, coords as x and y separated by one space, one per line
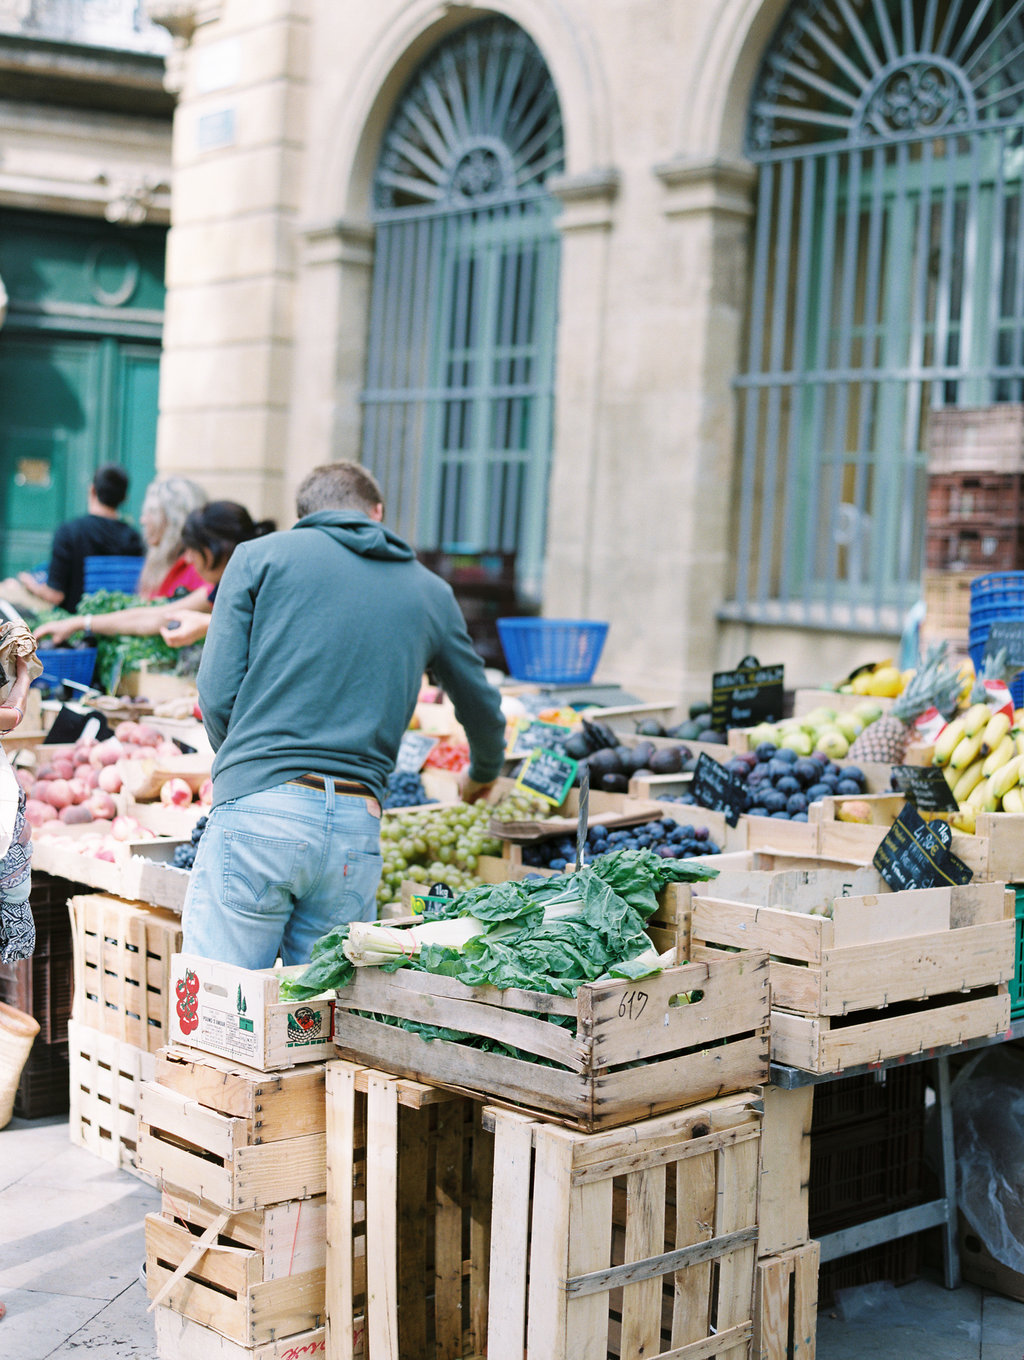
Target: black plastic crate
898 1262
44 1088
890 1092
43 985
861 1171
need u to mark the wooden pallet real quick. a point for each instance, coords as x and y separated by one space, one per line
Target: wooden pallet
632 1051
786 1308
123 967
179 1338
239 1138
106 1079
586 1261
409 1183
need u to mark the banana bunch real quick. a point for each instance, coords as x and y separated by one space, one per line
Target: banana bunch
982 755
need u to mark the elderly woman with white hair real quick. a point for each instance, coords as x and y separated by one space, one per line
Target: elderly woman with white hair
166 574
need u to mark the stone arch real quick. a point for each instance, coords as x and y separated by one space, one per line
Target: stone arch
712 123
362 112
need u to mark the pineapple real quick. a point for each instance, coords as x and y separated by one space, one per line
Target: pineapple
936 684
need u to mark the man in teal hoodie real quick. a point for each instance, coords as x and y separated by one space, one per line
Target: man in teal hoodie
311 669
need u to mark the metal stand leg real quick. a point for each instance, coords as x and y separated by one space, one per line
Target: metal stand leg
947 1175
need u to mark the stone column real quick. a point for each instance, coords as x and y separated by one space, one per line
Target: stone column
238 137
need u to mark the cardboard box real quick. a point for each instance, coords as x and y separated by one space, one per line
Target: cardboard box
238 1013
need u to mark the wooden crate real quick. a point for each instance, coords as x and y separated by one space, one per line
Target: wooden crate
239 1138
253 1277
994 852
786 1306
106 1079
785 1168
238 1013
123 956
638 1241
409 1212
849 987
632 1050
179 1338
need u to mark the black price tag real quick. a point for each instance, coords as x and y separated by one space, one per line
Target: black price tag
548 774
913 855
550 735
714 787
750 694
413 751
1006 634
925 786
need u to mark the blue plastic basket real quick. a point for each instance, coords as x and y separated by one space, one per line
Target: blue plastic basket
552 651
66 663
997 595
112 573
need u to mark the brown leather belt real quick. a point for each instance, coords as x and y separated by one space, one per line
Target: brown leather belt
346 786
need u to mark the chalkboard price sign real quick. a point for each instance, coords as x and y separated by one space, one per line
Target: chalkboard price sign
912 855
548 774
1006 634
537 733
926 787
715 788
750 694
413 751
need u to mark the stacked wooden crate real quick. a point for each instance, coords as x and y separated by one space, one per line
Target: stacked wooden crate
122 990
600 1201
239 1244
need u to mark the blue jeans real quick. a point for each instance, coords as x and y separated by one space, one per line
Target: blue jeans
276 870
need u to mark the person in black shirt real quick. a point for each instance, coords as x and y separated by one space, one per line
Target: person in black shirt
100 533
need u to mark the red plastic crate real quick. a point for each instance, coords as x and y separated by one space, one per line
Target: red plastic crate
980 499
995 548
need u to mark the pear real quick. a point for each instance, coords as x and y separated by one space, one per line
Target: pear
818 718
850 726
832 743
868 711
798 741
853 810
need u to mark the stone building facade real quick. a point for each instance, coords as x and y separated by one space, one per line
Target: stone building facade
703 427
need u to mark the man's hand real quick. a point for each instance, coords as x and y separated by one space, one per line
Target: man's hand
470 791
185 626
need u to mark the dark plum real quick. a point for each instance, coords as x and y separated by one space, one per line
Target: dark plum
765 750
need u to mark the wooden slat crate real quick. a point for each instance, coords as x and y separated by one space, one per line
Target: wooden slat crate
786 1307
106 1079
259 1277
409 1180
994 852
239 1138
123 956
179 1338
868 957
639 1241
633 1049
785 1168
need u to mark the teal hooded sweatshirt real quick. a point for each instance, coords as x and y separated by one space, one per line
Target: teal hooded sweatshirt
317 646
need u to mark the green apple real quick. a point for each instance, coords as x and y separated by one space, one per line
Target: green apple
850 725
832 743
798 741
818 718
762 732
868 711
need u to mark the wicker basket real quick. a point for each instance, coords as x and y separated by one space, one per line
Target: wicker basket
17 1034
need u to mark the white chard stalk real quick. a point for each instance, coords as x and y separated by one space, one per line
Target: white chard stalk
370 944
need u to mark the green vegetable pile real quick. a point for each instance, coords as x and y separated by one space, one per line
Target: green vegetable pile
547 935
117 656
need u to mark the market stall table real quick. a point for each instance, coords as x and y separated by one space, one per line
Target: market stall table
940 1212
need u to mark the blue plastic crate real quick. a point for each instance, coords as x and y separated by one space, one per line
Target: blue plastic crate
552 651
112 573
976 650
66 663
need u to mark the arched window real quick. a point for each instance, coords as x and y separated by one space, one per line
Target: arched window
888 282
460 374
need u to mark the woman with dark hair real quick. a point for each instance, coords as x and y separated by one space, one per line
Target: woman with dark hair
210 535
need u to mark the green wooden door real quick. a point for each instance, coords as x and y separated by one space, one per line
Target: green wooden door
68 405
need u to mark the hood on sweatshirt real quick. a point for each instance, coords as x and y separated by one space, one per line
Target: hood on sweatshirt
358 532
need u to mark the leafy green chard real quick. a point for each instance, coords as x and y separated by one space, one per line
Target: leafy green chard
548 935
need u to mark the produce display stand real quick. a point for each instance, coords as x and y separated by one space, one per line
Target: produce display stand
940 1212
